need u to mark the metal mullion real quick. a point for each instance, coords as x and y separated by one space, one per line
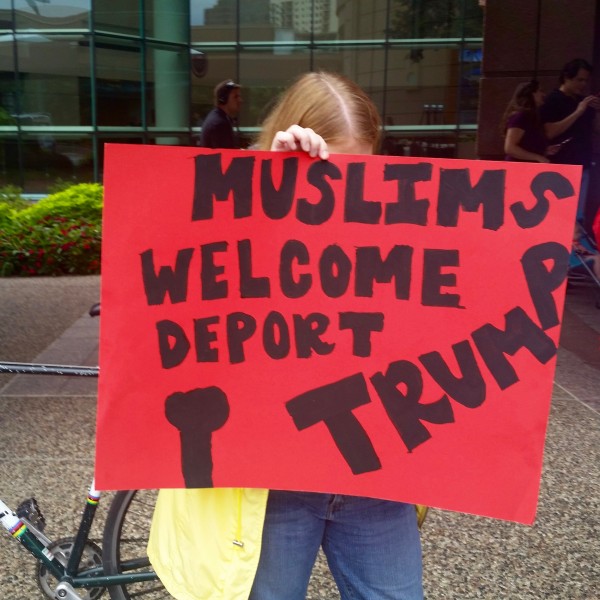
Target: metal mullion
189 80
93 87
461 49
311 54
18 110
386 52
144 71
238 38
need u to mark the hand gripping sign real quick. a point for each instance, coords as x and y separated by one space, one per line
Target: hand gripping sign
370 325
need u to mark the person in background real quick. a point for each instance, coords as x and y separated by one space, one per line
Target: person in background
521 126
568 114
262 544
218 127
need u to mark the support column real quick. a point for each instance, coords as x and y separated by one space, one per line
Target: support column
171 67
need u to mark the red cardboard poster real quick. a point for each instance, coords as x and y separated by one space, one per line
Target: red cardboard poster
369 325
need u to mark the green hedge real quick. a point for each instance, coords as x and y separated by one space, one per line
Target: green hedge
59 235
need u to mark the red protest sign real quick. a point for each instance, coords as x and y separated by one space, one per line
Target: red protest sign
369 325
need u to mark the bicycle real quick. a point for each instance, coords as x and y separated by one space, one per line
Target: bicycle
76 568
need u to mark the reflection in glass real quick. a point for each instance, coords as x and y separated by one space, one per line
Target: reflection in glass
6 21
122 16
118 83
8 80
9 160
416 58
52 70
213 20
262 86
434 144
363 64
55 14
469 76
412 19
218 66
361 20
49 159
423 91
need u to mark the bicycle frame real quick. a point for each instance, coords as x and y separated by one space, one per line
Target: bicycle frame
37 544
68 575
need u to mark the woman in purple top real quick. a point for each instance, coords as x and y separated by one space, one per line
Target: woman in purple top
524 137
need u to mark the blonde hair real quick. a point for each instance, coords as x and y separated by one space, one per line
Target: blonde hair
331 105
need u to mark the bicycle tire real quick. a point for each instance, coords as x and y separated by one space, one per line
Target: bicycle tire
125 539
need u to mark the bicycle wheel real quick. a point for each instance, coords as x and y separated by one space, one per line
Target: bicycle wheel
124 544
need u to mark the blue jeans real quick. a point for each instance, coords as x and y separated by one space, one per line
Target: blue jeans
372 547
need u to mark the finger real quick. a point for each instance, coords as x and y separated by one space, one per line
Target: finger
303 136
318 146
313 143
284 141
300 138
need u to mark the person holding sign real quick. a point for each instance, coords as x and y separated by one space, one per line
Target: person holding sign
372 546
259 544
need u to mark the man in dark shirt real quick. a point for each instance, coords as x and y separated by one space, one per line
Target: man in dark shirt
217 128
568 115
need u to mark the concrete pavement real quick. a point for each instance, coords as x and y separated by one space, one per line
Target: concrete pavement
47 437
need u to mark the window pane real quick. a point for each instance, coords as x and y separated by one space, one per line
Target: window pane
435 145
218 66
9 160
470 74
473 19
360 20
263 84
5 14
66 14
364 65
118 84
117 16
302 20
48 159
177 139
51 71
255 21
213 20
287 21
435 19
78 151
8 81
422 86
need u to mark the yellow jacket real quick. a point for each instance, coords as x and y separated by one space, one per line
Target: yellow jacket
205 543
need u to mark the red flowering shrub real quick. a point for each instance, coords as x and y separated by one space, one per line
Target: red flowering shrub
59 235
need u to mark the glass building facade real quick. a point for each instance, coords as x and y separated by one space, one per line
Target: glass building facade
76 74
